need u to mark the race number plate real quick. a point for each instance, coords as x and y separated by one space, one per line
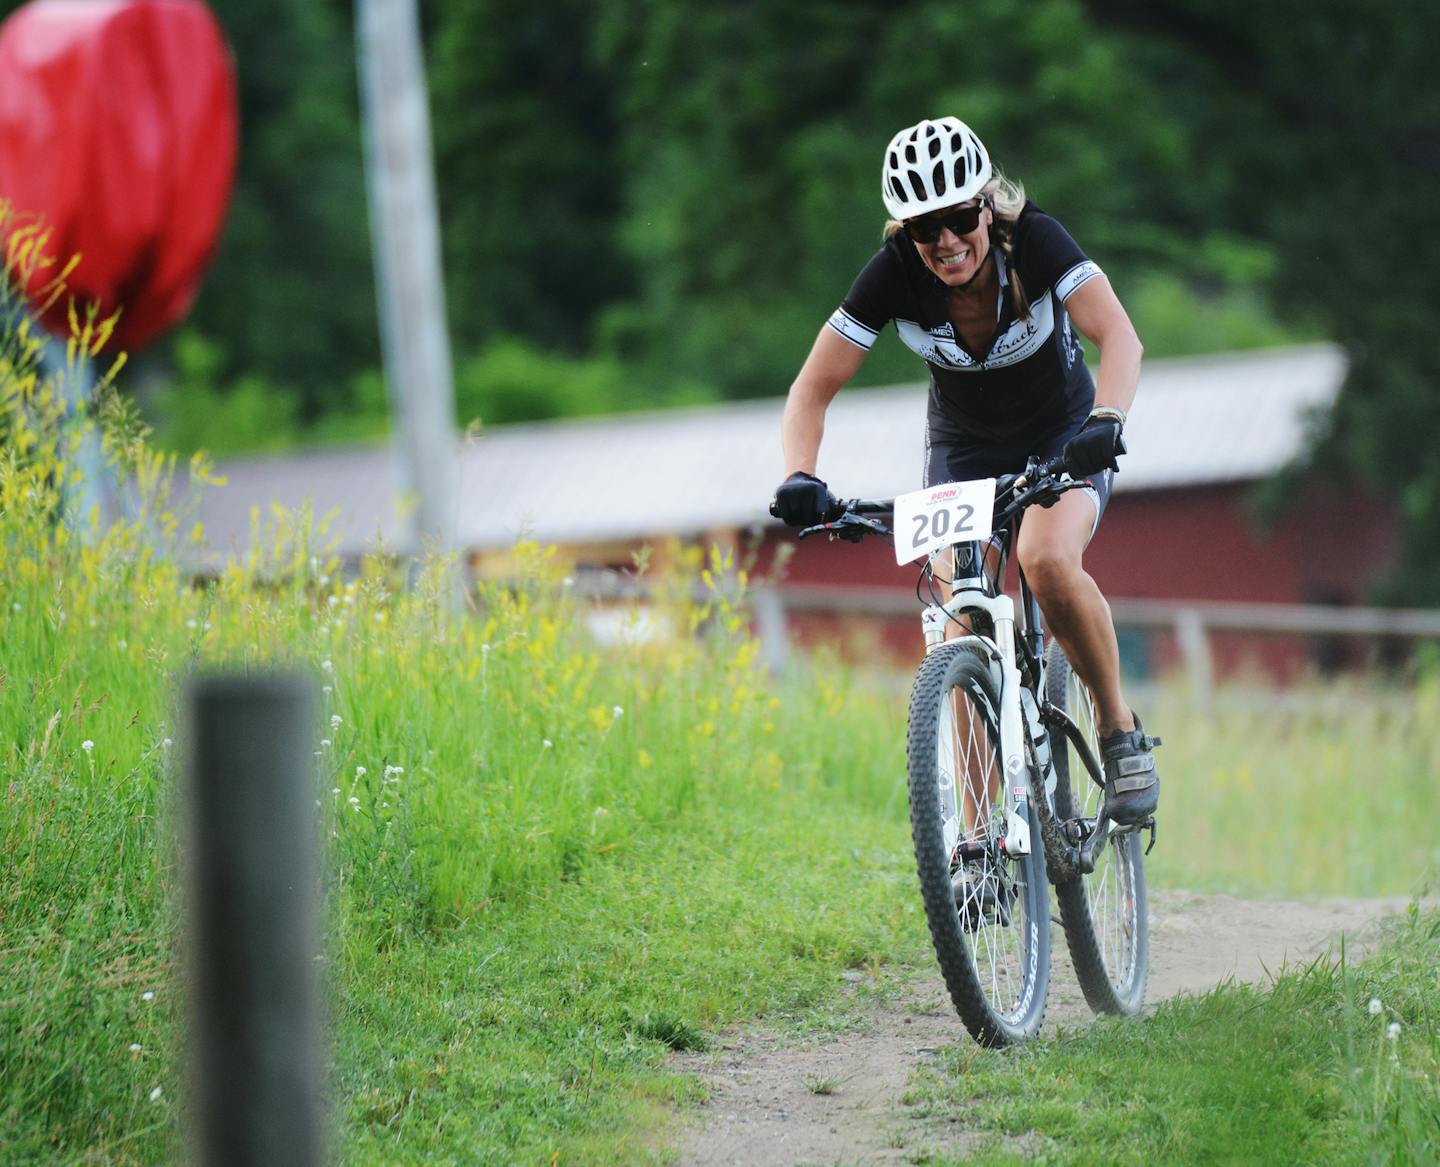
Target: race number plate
926 520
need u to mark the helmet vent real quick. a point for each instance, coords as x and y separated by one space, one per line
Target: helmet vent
934 147
900 195
910 155
917 184
938 178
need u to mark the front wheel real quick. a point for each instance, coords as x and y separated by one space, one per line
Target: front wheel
988 912
1106 919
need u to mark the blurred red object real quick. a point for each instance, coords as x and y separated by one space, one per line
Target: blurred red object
118 129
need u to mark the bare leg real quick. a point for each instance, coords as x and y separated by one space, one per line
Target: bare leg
1052 543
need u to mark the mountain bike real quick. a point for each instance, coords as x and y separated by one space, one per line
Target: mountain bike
1005 780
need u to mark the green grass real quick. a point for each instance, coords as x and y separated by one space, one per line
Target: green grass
1300 1071
550 865
1331 791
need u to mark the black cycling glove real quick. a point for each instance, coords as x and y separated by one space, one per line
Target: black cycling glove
1094 448
802 500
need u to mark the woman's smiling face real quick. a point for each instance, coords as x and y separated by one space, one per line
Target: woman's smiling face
954 257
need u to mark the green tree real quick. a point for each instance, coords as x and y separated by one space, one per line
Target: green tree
529 184
290 297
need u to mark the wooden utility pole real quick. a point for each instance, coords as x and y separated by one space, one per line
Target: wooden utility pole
400 176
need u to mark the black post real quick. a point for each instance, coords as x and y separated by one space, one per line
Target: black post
253 912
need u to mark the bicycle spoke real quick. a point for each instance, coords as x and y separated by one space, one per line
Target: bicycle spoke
999 949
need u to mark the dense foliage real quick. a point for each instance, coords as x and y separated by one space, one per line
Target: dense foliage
656 201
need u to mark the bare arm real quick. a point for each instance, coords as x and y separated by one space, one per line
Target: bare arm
833 360
1099 315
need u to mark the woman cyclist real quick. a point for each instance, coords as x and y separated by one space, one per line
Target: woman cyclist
983 285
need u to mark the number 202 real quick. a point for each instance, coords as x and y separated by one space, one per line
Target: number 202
936 525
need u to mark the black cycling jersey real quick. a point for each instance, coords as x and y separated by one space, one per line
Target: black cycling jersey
1031 390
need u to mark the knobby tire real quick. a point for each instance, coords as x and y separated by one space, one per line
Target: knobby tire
1105 913
997 970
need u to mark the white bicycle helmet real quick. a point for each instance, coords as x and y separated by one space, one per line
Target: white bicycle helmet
931 166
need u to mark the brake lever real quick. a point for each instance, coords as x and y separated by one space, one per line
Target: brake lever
850 527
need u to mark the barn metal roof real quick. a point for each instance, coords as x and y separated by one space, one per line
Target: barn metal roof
1197 420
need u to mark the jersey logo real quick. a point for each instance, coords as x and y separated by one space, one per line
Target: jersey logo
1024 338
1081 273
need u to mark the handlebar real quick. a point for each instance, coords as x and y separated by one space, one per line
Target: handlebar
1040 483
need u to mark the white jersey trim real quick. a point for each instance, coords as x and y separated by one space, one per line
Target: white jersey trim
1079 274
860 335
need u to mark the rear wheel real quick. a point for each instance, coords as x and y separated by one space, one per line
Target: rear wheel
988 912
1105 915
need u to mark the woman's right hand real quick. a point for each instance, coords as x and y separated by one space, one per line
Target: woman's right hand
802 500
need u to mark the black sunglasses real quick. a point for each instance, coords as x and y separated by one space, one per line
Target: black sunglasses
961 220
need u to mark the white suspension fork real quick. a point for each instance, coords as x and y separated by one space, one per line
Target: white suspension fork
1001 610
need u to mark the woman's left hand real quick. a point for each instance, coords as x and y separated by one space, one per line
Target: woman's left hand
1094 448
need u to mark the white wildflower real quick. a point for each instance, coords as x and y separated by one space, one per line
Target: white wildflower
167 742
333 601
546 744
379 617
16 605
349 599
155 1094
147 995
327 689
87 745
1392 1031
207 627
327 666
484 648
190 624
134 1047
617 711
335 722
122 645
567 582
1375 1006
360 771
353 801
334 790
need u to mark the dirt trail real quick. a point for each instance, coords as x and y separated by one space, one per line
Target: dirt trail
764 1109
